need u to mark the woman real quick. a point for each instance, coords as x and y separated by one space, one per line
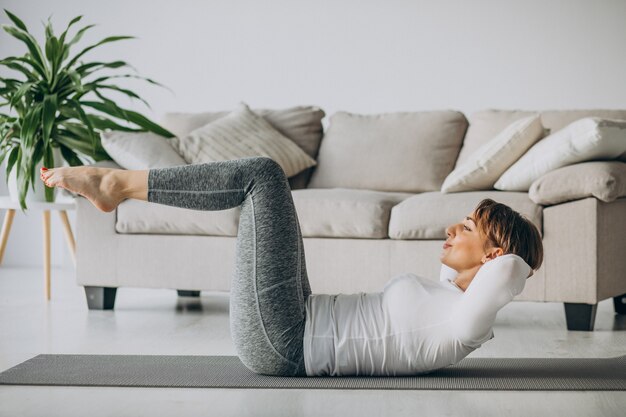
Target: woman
414 326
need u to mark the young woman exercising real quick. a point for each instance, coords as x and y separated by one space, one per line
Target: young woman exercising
415 325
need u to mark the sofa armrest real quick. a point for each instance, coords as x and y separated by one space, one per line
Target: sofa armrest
96 245
604 180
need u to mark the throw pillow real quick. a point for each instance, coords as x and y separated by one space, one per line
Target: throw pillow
591 138
140 150
301 124
605 180
241 134
483 168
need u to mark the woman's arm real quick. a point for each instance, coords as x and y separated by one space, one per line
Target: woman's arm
495 285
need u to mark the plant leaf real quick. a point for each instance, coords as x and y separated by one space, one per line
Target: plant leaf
31 44
124 91
67 138
83 118
12 159
78 35
16 21
48 161
21 91
89 48
32 122
70 140
37 154
74 20
131 76
100 122
48 116
10 63
81 69
25 59
70 156
114 110
52 45
48 28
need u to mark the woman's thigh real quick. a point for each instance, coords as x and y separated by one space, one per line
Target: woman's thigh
270 285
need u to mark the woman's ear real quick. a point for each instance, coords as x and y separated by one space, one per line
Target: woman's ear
492 254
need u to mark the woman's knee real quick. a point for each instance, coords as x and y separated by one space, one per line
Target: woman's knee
268 169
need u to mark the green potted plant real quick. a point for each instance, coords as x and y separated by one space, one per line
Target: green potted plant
56 105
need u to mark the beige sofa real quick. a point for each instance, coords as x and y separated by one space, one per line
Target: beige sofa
370 209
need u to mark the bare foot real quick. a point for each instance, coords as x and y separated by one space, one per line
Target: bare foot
97 184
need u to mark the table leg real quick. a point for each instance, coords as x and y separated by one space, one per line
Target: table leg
68 234
6 228
46 250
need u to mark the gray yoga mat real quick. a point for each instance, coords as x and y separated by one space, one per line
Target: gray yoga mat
564 374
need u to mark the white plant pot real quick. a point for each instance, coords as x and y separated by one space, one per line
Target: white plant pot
38 195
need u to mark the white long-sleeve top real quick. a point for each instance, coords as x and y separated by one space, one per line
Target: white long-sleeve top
415 325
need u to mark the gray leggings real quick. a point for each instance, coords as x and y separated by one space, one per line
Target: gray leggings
269 286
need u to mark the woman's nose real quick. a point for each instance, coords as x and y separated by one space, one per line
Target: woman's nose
451 229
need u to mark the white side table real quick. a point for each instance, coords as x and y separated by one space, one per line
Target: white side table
61 204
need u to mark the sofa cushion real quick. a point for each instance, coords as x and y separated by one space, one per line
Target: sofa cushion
138 216
401 152
485 124
321 213
605 180
588 139
140 150
301 124
343 212
488 162
242 134
427 215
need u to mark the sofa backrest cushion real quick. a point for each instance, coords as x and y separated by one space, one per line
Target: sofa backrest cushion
301 124
401 152
485 124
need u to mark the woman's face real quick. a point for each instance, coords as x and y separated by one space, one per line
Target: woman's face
464 247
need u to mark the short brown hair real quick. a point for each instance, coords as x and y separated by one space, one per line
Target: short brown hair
505 228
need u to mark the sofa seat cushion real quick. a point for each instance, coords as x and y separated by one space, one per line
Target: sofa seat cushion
137 216
334 212
427 215
345 212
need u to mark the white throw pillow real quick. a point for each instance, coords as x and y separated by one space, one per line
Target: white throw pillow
588 139
241 134
484 166
140 150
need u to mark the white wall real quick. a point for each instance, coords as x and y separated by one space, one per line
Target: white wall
355 55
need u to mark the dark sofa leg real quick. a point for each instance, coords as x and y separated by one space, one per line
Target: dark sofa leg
619 303
100 298
580 316
188 293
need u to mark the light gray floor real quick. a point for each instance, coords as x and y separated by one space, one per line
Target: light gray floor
158 322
